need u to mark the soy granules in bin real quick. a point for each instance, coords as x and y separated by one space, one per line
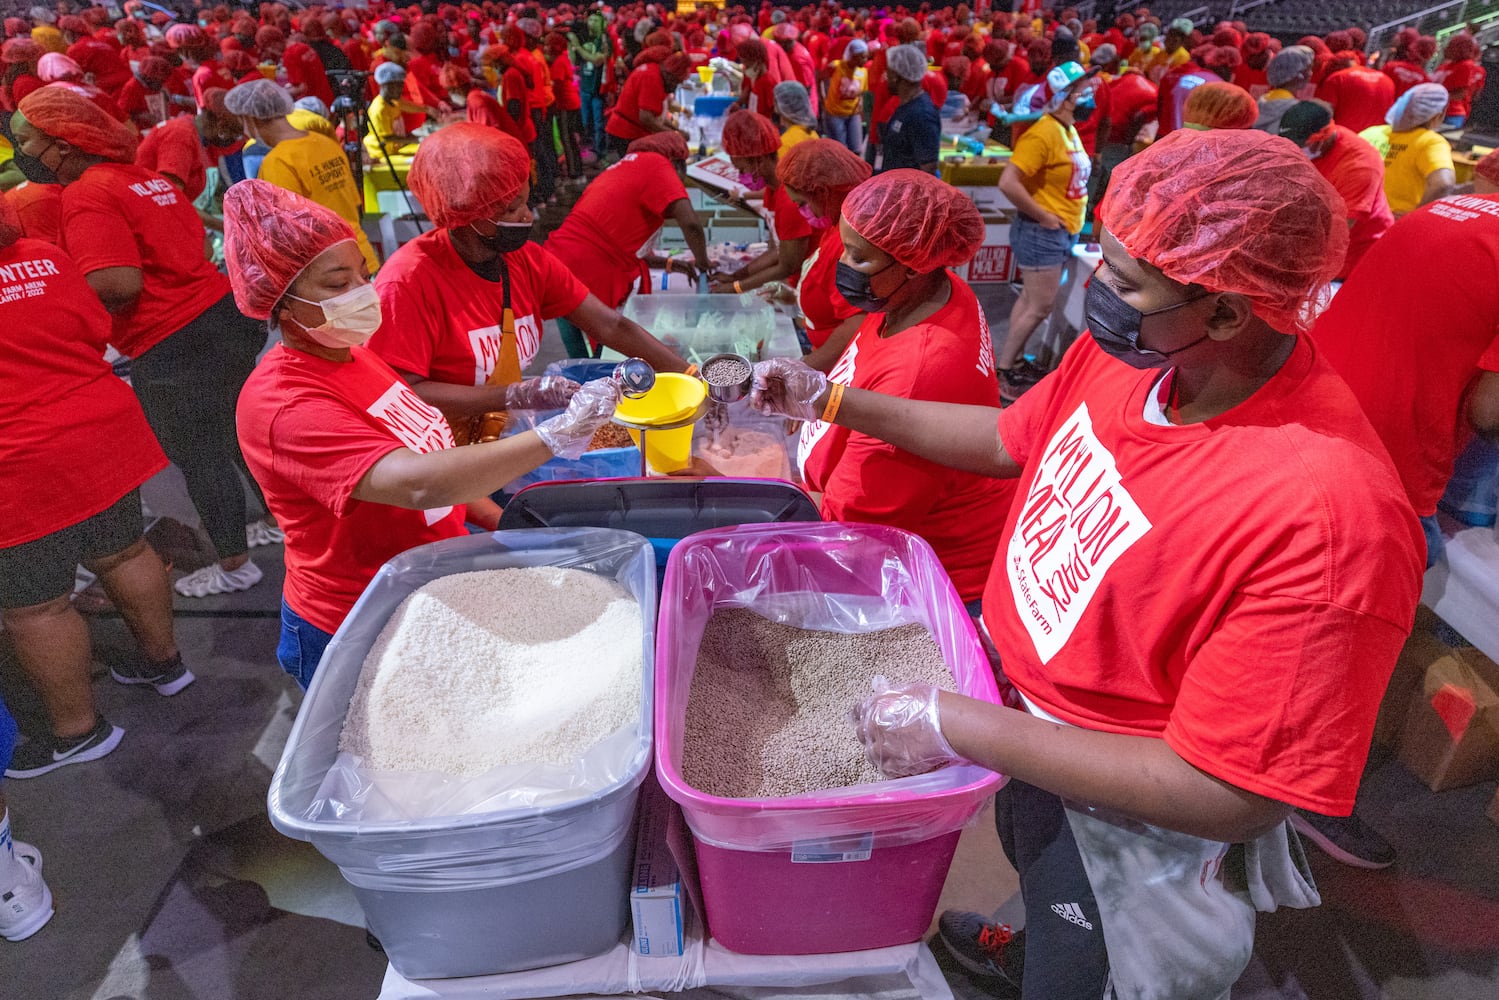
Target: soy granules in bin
768 711
504 666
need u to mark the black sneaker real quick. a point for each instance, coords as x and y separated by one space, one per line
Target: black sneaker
166 678
989 950
1345 838
1014 382
35 758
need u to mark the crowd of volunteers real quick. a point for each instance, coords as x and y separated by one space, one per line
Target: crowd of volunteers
1194 546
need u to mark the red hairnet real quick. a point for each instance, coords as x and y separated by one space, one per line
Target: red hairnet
785 32
238 61
10 223
20 50
423 38
822 166
1424 48
1338 41
453 77
154 70
919 220
1316 44
748 133
677 65
466 172
669 144
269 36
270 236
956 67
74 119
1221 105
1233 211
16 26
72 24
1461 46
752 52
651 54
187 36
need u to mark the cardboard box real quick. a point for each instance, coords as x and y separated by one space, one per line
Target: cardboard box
656 896
993 262
1451 734
1421 650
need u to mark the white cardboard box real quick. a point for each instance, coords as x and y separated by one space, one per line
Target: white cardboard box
656 896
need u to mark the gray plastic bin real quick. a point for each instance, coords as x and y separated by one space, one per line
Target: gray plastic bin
480 893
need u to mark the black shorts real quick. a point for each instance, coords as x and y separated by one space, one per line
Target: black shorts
43 569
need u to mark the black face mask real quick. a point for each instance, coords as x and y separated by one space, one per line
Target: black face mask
33 169
507 237
1083 112
1115 326
857 289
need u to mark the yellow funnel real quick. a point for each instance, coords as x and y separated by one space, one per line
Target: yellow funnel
675 399
705 74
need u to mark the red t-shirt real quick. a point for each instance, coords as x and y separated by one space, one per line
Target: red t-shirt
532 70
442 321
1132 103
644 90
1406 74
1356 170
73 439
310 429
1466 77
514 88
1359 96
422 83
976 83
823 308
948 357
209 75
305 69
1217 585
564 86
1401 312
619 211
786 215
483 109
176 148
1005 82
1176 86
122 215
39 207
758 95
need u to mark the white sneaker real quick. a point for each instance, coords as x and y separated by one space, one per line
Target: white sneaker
214 579
262 532
26 906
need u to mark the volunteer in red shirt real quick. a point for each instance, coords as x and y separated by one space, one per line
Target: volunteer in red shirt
1406 66
644 100
818 175
757 92
1251 74
355 466
923 337
19 56
1352 166
803 70
305 75
567 110
74 450
464 303
140 244
1359 96
752 144
150 98
183 149
607 239
103 62
1197 612
479 106
39 209
1463 77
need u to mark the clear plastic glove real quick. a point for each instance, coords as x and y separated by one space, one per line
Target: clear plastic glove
549 392
777 292
900 730
569 433
784 387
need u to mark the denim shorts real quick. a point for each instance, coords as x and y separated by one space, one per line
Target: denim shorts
301 646
1036 246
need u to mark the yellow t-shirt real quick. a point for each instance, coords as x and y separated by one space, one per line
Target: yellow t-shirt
839 106
1278 94
1413 156
794 135
386 121
1055 167
315 167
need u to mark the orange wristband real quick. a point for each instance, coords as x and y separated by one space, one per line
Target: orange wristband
691 370
737 289
835 399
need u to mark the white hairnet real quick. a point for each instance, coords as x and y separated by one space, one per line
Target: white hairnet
907 62
1289 63
313 104
389 72
1417 106
258 99
856 47
794 104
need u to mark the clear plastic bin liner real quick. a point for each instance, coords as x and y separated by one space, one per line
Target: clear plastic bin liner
514 823
836 577
605 463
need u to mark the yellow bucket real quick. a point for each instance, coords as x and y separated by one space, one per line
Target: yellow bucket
705 74
674 398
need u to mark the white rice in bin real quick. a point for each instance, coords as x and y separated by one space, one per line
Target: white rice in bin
496 667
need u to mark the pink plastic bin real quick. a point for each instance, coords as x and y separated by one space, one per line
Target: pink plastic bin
845 869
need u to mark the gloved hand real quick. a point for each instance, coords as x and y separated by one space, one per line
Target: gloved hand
787 388
900 730
549 392
775 291
569 433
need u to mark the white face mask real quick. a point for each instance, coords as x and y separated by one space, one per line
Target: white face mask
349 319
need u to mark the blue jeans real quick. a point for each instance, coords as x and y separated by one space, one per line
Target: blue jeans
849 130
301 646
594 120
1035 246
8 734
1455 121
